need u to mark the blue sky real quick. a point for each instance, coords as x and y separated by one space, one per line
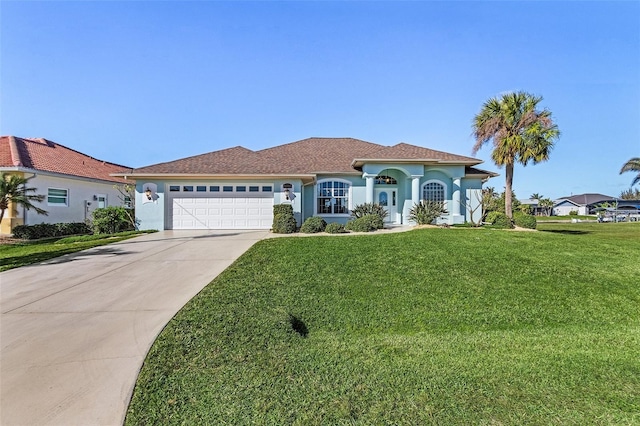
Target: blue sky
137 83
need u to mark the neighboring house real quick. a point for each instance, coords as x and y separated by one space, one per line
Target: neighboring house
236 188
583 204
74 184
534 206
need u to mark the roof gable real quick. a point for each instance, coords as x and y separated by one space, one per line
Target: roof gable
44 155
405 151
586 199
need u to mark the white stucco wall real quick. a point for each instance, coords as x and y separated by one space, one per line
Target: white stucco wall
80 199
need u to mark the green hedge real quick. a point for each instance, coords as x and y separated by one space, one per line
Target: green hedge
525 221
366 223
499 220
313 225
335 228
110 220
48 230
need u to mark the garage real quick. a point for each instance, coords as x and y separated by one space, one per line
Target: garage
221 207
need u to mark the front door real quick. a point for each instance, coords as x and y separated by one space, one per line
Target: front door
102 200
388 198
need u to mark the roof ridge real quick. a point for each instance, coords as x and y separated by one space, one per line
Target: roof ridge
15 153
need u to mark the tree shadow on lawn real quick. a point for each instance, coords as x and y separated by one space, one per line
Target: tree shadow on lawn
566 231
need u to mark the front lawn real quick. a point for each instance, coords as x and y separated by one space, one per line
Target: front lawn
25 252
431 326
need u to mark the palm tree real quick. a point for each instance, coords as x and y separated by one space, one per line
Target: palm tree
632 165
536 196
13 190
520 133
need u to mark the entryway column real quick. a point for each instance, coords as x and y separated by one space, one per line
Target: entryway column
415 189
369 189
456 197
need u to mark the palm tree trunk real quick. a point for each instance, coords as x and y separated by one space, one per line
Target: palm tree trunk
507 190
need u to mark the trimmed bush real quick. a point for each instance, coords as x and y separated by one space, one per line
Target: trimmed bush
335 228
573 213
282 209
366 223
313 225
525 221
110 220
284 224
283 220
365 209
425 212
48 230
499 220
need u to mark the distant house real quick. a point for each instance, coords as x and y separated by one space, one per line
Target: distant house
74 184
236 188
585 204
534 206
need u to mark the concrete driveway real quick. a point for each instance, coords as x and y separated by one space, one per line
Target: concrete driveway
74 331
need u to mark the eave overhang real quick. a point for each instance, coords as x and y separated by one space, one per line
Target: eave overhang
359 162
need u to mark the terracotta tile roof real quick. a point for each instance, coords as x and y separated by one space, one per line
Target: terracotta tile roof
307 156
45 155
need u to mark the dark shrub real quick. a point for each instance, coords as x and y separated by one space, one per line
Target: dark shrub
425 212
366 223
48 230
335 228
282 209
283 220
284 224
110 220
573 213
525 221
499 220
313 225
367 209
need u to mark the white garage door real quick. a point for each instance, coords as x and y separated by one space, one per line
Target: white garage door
223 213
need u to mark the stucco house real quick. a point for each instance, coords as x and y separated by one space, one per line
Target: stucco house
74 184
236 188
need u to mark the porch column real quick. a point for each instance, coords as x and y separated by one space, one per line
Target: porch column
415 189
369 189
456 197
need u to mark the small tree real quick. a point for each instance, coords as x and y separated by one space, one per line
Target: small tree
127 196
14 190
110 220
630 194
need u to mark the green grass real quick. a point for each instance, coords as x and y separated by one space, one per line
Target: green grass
432 326
30 252
566 217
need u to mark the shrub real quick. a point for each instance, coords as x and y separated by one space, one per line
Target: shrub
365 209
284 224
283 220
282 209
313 225
366 223
335 228
499 220
573 213
525 221
48 230
425 212
110 220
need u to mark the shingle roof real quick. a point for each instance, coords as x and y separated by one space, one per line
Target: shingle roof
44 155
586 199
307 156
404 151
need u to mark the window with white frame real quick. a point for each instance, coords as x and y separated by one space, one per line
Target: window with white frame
57 197
333 197
433 191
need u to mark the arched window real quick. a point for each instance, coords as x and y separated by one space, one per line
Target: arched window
385 180
433 191
333 197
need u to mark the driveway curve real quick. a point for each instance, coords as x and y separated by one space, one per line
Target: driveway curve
74 331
